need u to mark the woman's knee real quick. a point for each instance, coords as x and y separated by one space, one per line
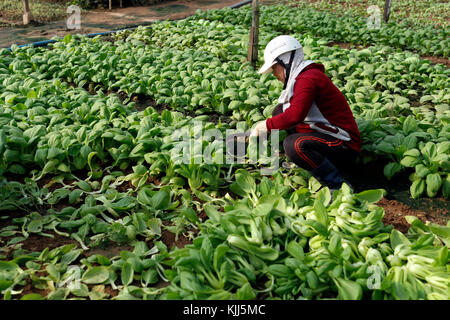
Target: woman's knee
289 146
301 151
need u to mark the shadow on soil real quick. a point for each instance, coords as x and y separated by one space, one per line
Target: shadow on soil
397 203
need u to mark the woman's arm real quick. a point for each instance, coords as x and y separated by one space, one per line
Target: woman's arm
305 91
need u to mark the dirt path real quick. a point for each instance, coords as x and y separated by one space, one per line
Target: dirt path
102 20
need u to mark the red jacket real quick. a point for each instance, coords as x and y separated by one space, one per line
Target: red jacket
313 85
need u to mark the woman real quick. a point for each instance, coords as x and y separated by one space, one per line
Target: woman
322 130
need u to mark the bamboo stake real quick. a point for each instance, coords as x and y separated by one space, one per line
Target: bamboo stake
254 34
387 10
27 17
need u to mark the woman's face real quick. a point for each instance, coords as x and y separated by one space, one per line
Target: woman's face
278 72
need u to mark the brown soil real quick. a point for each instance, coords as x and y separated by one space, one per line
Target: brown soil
58 207
395 213
81 174
30 289
110 250
215 118
168 238
125 186
161 284
112 293
203 216
15 177
154 181
144 101
121 95
37 243
11 215
346 45
434 60
48 182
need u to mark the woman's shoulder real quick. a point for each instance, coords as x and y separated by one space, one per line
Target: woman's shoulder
312 71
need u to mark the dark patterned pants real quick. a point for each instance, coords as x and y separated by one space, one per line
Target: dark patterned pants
308 149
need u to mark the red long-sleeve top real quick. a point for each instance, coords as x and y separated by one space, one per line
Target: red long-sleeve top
313 85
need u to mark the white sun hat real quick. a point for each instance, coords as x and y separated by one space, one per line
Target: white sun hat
276 47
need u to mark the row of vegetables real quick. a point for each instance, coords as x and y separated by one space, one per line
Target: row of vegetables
413 13
424 39
267 243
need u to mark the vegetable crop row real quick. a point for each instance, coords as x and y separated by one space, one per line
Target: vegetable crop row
270 243
347 28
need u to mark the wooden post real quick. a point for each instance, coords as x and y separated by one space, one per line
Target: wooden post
27 17
387 10
109 4
254 34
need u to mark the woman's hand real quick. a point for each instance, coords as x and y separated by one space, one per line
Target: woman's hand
259 128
